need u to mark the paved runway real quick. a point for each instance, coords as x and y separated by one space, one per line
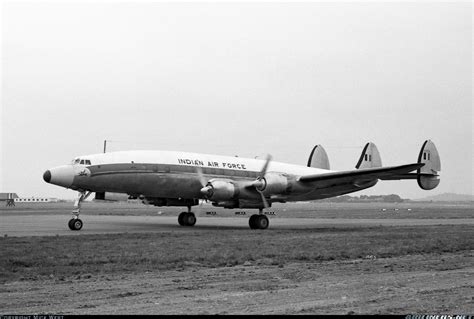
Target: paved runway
51 225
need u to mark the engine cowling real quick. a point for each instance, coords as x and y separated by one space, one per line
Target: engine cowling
219 190
272 183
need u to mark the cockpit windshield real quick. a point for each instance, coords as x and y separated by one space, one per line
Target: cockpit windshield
81 161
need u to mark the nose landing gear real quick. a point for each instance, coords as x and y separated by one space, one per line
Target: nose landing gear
75 223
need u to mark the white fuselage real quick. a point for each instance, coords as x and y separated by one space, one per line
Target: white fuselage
173 175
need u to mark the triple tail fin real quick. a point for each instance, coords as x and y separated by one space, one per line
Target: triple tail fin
428 174
370 157
318 158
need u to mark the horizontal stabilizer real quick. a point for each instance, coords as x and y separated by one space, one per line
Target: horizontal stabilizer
318 158
370 157
362 174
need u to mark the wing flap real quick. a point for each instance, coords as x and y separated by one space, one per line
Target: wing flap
364 174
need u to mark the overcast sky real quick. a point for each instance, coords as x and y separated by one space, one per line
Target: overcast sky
236 78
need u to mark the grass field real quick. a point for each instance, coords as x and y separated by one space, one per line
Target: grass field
293 210
349 266
62 257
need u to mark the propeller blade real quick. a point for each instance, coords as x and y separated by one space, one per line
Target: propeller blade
202 179
264 200
265 166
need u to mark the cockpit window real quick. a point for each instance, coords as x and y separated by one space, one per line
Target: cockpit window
88 162
76 161
82 162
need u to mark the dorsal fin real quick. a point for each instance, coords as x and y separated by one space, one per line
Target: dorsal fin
370 157
318 158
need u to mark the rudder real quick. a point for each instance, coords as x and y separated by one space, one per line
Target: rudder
370 157
318 158
428 175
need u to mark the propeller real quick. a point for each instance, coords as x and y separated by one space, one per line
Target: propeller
206 189
260 182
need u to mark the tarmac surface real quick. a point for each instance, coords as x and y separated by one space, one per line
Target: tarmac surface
52 225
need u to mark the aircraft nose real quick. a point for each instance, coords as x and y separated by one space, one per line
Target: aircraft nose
61 176
47 176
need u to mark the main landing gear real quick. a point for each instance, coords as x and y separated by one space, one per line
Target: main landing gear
187 218
75 223
259 221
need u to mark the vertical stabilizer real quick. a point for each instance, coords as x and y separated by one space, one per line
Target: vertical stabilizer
428 177
370 157
318 158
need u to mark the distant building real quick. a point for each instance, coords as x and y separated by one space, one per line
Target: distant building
35 200
13 197
6 196
9 198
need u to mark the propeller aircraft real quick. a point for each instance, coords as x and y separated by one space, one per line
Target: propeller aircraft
170 178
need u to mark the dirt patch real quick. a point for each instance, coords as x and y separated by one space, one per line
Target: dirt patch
422 283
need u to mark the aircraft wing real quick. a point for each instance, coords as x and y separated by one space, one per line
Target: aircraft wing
361 175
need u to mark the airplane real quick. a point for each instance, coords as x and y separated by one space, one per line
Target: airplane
171 178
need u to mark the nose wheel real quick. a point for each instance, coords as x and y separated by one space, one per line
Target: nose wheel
75 223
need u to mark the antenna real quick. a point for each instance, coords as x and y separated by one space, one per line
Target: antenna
105 145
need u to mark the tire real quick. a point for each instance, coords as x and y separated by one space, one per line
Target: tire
262 222
71 227
252 222
181 218
76 224
190 219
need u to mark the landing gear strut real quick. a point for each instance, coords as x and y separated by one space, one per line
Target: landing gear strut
187 218
75 223
259 221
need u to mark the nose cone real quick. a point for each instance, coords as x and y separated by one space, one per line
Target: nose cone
47 176
61 176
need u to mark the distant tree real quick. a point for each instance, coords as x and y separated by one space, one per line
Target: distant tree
392 198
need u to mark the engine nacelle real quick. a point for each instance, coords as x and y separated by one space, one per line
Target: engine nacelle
241 203
219 190
226 204
273 183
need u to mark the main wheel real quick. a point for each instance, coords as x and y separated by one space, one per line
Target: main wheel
75 224
71 227
252 223
181 218
262 222
189 219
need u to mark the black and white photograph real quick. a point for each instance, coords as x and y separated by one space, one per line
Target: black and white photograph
236 158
